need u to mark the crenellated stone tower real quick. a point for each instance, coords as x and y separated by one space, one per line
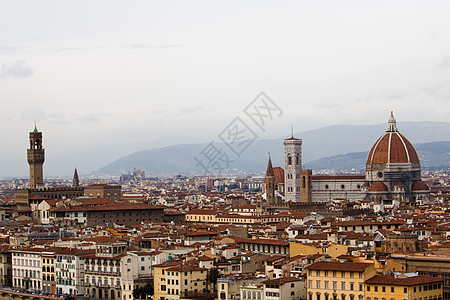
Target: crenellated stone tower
36 158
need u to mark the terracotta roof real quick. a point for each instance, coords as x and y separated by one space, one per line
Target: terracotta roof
281 280
419 185
204 258
378 186
185 268
336 266
112 206
279 175
201 233
261 241
202 212
392 147
403 281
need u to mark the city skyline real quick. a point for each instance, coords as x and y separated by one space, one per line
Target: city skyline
153 75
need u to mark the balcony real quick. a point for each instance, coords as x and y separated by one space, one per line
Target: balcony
102 273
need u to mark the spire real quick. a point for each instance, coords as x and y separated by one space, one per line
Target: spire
76 181
35 128
292 131
269 171
392 123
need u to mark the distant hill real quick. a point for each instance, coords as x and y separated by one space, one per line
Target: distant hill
434 155
320 147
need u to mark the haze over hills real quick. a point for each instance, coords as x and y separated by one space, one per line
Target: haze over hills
434 155
323 148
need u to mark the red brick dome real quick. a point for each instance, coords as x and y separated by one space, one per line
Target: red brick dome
419 185
392 147
378 186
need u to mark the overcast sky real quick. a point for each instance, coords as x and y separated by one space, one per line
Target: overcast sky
104 79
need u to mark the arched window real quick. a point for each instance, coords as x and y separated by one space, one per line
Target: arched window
297 160
289 160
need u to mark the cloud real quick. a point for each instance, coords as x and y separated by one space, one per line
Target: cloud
444 63
90 118
18 69
68 49
149 46
9 49
190 109
32 114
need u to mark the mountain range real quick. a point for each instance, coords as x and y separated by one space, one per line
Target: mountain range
338 147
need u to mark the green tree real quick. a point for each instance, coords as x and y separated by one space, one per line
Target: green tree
211 278
142 293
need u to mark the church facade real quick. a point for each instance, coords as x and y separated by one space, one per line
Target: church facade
392 173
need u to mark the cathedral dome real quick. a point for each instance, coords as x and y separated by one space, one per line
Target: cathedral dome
392 148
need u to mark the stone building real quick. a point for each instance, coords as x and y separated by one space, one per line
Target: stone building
392 172
123 213
404 243
28 200
5 266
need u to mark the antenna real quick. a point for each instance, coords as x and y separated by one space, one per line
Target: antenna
292 131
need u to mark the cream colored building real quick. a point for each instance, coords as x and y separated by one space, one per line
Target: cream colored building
337 281
179 282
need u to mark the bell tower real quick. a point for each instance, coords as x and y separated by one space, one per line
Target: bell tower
292 168
269 181
36 157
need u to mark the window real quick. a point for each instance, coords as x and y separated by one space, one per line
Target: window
405 290
351 274
392 289
352 285
383 289
343 274
343 286
318 284
376 288
334 273
317 273
326 273
360 286
310 284
326 285
368 288
334 285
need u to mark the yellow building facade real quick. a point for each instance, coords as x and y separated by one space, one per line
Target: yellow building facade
334 250
337 281
392 287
